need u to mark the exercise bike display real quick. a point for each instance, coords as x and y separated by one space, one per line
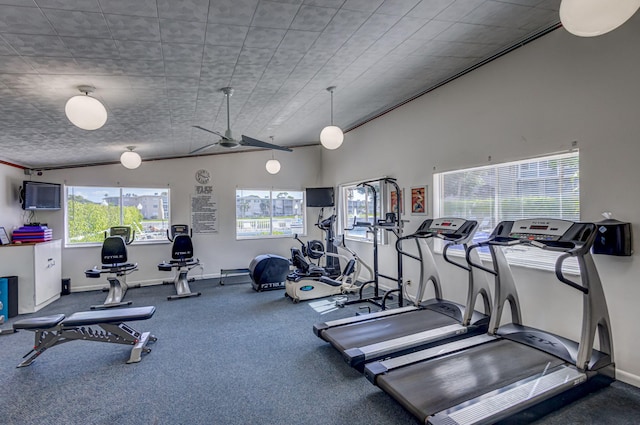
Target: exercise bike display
115 262
182 260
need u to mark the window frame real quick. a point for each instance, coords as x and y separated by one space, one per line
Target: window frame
518 255
121 190
346 222
272 192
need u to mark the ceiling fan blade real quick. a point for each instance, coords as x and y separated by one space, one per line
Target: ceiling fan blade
205 147
210 131
248 141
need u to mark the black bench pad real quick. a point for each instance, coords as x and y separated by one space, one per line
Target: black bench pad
94 317
43 322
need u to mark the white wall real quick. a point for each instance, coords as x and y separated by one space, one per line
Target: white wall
11 215
533 101
300 169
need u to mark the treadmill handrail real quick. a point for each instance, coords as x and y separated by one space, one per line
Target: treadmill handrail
450 261
576 251
558 269
476 265
413 236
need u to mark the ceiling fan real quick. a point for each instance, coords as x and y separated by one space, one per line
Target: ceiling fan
227 140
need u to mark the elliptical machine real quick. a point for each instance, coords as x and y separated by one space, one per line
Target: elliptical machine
182 260
314 250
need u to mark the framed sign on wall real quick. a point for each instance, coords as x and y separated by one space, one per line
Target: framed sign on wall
419 200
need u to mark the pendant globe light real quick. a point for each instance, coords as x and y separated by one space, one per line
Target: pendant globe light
590 18
331 137
272 165
84 111
130 159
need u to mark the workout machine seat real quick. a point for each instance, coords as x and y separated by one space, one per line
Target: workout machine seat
114 261
57 329
303 268
183 262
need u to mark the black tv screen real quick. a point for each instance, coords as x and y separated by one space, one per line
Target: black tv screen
319 197
41 196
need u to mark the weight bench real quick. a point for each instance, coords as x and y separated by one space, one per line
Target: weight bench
57 329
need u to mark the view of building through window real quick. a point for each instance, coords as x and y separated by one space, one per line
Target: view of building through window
90 211
356 205
269 213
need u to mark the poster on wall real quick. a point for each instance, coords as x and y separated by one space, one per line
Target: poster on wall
394 201
419 200
204 210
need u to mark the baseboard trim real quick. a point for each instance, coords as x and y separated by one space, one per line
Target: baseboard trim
103 284
628 378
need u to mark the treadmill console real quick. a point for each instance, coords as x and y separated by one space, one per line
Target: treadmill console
539 229
451 228
554 233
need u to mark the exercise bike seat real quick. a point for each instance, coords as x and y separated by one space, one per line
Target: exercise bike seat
110 268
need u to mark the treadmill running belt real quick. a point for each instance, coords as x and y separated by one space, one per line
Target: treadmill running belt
365 333
429 387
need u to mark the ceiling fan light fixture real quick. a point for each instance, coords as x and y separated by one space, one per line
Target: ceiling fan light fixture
84 111
590 18
130 159
331 137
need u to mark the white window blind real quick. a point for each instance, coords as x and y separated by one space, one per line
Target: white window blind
546 187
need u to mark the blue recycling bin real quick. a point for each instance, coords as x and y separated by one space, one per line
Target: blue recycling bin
8 296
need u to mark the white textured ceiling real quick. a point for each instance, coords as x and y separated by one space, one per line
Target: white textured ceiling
158 66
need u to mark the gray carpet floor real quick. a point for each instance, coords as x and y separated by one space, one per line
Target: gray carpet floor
230 356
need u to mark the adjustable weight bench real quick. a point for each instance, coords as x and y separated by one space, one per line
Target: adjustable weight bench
57 329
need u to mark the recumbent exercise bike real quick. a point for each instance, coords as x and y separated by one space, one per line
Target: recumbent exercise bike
181 259
114 262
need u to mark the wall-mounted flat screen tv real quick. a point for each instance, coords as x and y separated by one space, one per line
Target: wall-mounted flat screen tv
41 196
319 197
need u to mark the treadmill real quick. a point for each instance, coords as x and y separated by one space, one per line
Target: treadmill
487 378
387 333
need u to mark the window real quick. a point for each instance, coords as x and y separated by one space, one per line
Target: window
90 211
543 187
356 205
269 213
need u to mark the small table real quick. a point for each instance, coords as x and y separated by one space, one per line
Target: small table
224 273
